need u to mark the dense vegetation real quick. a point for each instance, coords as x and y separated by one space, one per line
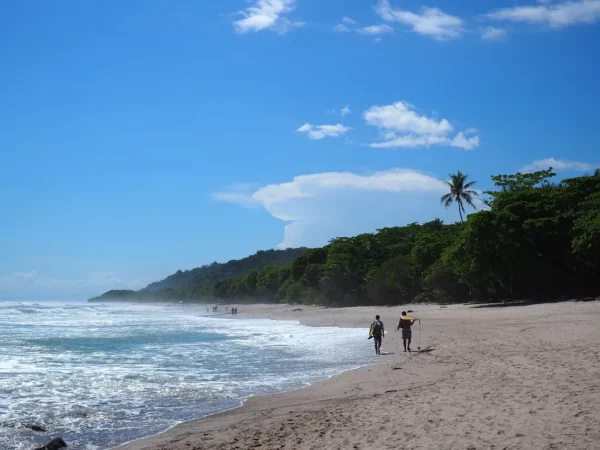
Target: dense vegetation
537 240
197 284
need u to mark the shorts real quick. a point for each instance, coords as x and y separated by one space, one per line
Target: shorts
406 334
377 338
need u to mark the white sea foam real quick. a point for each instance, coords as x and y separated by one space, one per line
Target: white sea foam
100 375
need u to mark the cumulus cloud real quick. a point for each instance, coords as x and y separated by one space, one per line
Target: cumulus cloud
320 206
555 15
35 286
318 132
464 142
402 117
267 15
430 22
492 33
559 165
402 126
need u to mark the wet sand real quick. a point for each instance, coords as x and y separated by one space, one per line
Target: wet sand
523 377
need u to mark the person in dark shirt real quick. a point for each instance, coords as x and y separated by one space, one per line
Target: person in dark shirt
377 333
405 324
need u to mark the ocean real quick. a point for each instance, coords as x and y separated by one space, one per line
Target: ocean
100 375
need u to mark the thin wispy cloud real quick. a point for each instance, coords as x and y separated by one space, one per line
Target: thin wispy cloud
348 25
430 22
402 126
345 111
559 165
267 15
317 132
239 193
374 30
341 28
345 26
554 15
493 33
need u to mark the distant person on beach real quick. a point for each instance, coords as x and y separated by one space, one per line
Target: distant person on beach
405 323
377 333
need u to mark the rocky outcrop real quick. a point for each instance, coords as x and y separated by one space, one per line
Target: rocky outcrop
54 444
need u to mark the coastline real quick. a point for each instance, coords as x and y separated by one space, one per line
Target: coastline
448 398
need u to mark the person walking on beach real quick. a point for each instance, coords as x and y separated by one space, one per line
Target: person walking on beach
377 333
405 323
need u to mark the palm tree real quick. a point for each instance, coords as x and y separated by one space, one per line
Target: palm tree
460 192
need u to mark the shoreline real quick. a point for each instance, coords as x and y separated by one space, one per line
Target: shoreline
311 316
514 377
257 311
241 405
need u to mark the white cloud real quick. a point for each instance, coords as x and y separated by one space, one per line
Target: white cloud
555 15
466 143
492 33
431 22
317 132
321 206
374 30
35 286
559 165
345 111
349 21
402 126
402 117
267 15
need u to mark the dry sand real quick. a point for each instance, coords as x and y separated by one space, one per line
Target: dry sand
523 377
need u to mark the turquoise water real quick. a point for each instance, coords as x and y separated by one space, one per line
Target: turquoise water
101 375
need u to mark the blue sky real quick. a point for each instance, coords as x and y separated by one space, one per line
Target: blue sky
142 137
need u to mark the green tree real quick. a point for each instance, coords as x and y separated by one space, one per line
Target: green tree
460 192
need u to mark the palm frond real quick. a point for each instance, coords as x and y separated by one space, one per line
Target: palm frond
447 199
467 198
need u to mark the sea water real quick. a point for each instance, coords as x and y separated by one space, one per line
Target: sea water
100 375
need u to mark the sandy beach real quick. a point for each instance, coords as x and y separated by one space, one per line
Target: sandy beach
525 377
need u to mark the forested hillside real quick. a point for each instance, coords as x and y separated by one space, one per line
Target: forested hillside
197 283
210 274
537 240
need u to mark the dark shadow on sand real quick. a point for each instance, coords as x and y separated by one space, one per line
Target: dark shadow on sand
510 303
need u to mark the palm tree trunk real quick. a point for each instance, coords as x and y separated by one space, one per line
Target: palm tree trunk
460 211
